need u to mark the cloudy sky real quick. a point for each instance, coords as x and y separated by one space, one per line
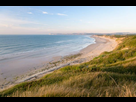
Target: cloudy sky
67 19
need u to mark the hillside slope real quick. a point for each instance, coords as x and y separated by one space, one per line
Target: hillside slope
110 74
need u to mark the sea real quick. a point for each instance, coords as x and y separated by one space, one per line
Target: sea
14 46
20 54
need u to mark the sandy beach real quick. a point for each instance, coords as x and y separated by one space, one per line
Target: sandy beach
102 44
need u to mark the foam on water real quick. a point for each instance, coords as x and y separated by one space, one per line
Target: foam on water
43 45
23 53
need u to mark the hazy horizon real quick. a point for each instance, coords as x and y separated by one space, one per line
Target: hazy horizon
29 20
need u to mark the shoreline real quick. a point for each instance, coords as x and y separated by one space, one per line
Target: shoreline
102 44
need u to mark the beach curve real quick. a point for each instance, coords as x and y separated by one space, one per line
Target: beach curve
102 44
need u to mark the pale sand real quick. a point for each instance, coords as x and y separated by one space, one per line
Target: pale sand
102 44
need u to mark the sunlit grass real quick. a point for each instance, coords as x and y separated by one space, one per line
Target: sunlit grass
112 74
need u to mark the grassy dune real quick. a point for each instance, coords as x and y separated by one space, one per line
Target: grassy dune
112 74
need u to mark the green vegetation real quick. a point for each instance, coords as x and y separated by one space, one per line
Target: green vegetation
64 59
110 74
70 57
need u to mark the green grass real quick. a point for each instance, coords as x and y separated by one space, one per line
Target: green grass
110 74
129 41
115 56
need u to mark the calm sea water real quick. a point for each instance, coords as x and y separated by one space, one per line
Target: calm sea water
21 54
13 46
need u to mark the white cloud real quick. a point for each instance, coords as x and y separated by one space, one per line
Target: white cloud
30 13
8 21
13 25
83 21
45 12
89 22
60 14
80 20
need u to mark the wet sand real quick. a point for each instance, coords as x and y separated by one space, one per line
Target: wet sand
102 44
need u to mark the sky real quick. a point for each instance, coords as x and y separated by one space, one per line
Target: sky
67 19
